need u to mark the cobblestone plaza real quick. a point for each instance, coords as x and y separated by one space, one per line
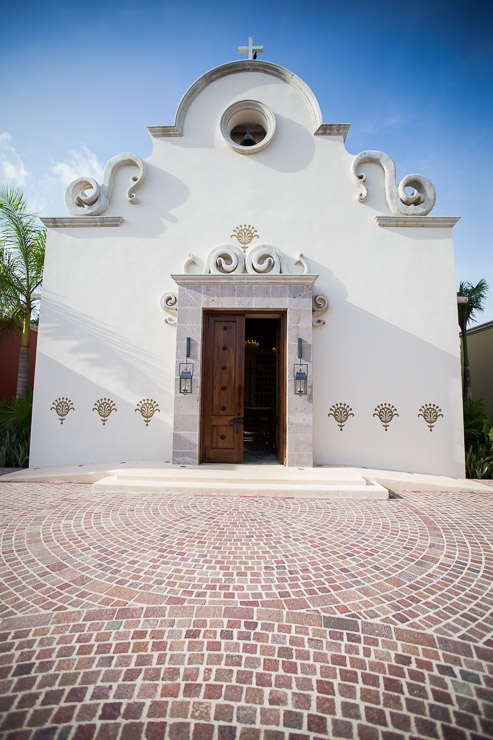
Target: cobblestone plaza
180 616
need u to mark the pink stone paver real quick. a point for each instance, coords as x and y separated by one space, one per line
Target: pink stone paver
179 616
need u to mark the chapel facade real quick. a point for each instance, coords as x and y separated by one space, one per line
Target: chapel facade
250 292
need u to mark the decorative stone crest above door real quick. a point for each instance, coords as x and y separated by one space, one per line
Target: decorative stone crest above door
261 260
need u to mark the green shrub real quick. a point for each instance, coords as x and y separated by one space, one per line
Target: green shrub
14 451
478 436
15 431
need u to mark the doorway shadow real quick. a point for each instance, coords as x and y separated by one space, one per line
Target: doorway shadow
261 412
258 455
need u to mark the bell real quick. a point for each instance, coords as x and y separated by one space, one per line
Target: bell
248 140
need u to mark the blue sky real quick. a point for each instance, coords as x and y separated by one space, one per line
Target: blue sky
81 81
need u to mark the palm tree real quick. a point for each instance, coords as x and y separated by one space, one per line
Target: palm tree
475 295
22 251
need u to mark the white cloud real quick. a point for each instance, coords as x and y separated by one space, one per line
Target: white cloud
79 163
45 190
12 170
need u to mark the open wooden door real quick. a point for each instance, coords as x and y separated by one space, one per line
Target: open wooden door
223 388
281 389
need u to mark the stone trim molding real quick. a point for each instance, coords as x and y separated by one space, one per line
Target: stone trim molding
245 279
160 132
423 222
169 301
333 129
82 222
236 67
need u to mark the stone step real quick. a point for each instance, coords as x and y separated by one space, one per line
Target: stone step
245 481
257 473
224 482
396 480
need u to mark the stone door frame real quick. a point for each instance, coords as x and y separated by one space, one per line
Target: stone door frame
246 293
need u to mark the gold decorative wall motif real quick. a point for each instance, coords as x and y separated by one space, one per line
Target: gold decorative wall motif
341 413
104 407
385 412
62 406
147 408
430 413
245 234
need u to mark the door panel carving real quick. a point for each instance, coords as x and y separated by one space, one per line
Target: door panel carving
222 389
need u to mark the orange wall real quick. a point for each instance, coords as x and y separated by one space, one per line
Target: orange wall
9 361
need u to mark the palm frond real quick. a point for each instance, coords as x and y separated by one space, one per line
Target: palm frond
20 229
22 251
15 413
476 295
9 324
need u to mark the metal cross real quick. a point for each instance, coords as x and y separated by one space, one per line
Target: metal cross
250 49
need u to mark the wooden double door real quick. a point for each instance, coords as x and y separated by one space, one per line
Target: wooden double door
223 387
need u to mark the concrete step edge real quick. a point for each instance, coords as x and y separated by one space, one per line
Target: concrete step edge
226 482
369 489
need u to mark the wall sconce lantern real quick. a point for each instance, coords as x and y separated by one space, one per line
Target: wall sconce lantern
186 372
300 372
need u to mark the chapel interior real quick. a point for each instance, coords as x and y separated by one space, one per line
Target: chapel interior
261 372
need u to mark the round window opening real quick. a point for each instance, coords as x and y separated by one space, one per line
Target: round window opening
248 134
248 126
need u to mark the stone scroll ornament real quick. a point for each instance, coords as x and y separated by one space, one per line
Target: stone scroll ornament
94 203
261 260
418 203
225 261
320 305
169 303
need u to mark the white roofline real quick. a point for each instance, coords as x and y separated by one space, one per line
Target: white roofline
241 65
480 327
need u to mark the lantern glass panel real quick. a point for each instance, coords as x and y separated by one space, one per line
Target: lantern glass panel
300 383
185 380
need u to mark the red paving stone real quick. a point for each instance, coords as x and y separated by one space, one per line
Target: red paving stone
178 616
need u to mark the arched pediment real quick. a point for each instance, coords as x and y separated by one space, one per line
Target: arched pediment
238 67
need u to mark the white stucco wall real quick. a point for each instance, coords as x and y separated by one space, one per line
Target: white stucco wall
390 335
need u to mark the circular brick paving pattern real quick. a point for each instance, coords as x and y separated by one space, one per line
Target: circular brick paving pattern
208 617
420 561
